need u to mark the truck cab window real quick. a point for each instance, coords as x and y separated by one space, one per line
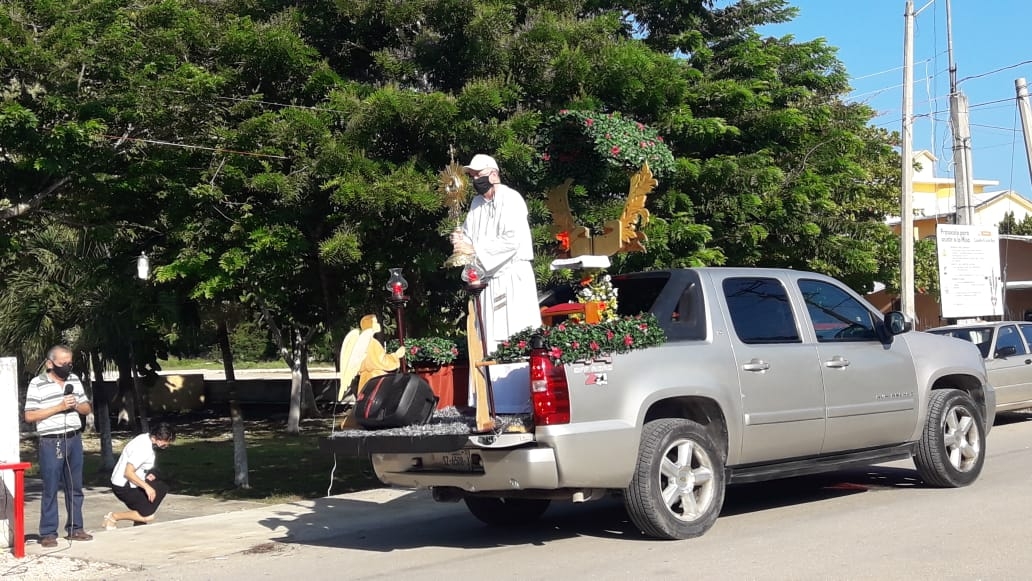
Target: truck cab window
836 315
760 311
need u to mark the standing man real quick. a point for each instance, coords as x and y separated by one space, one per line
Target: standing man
54 402
497 233
132 480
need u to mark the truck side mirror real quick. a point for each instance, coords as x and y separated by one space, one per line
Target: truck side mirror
896 323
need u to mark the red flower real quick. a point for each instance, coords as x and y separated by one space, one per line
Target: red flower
594 346
643 327
574 345
659 138
505 343
561 327
522 345
627 340
641 126
545 157
564 240
564 111
413 350
642 144
589 121
609 335
556 353
615 150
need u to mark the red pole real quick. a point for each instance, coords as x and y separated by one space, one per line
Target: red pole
19 505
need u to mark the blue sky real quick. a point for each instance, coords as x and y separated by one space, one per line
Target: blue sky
987 35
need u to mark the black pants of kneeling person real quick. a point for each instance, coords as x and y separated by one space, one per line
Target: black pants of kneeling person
141 509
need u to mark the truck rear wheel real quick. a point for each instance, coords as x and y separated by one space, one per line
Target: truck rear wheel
951 451
677 489
506 511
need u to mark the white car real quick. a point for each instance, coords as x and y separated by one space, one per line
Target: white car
1007 348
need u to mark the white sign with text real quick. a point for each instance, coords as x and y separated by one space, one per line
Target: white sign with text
969 271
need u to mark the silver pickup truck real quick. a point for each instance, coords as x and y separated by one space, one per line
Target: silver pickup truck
765 374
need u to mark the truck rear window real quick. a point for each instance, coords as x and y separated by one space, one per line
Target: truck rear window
637 295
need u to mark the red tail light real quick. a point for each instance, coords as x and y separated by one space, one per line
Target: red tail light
548 390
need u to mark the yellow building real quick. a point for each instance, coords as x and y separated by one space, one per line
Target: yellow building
935 200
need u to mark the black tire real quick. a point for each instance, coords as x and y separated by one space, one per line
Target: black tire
951 451
507 511
677 462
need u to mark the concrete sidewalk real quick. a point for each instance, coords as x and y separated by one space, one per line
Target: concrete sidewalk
190 528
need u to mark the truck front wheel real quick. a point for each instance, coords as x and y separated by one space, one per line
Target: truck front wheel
952 447
506 511
677 489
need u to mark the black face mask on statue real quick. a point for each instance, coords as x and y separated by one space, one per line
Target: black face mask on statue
482 185
62 371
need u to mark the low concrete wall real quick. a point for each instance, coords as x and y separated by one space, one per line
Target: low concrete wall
176 393
265 391
190 392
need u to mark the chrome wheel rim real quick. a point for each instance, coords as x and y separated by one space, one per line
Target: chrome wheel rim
961 438
686 480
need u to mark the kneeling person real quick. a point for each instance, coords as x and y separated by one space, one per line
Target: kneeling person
132 481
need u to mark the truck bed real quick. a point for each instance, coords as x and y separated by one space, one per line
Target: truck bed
449 429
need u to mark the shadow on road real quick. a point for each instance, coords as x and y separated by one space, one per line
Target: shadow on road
1015 417
450 525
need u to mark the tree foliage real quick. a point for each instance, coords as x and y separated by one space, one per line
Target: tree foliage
283 155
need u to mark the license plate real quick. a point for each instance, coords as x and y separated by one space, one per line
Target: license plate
459 461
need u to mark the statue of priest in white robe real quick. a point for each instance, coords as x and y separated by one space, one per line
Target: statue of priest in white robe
497 233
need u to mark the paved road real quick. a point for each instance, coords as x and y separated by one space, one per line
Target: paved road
877 523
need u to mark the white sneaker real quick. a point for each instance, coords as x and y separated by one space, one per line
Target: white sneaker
110 523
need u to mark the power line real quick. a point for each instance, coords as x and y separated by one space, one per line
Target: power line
994 71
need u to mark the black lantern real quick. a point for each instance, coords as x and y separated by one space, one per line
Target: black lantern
396 286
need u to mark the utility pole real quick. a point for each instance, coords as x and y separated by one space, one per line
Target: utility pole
962 172
1026 119
906 214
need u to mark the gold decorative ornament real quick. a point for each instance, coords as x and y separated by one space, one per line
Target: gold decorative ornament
622 235
453 186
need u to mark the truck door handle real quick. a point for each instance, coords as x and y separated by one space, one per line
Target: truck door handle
837 362
756 365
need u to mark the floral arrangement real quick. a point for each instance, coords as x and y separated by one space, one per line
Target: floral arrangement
575 341
598 289
621 142
427 351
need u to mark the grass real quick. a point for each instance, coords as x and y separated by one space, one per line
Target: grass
213 364
282 467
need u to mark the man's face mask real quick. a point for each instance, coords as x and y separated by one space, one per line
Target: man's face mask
482 185
62 371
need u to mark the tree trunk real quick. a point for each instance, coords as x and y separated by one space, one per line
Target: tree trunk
102 415
143 425
308 407
126 399
240 476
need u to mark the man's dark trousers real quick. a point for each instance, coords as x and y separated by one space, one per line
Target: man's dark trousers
60 467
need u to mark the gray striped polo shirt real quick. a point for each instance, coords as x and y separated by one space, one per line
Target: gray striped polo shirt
44 393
